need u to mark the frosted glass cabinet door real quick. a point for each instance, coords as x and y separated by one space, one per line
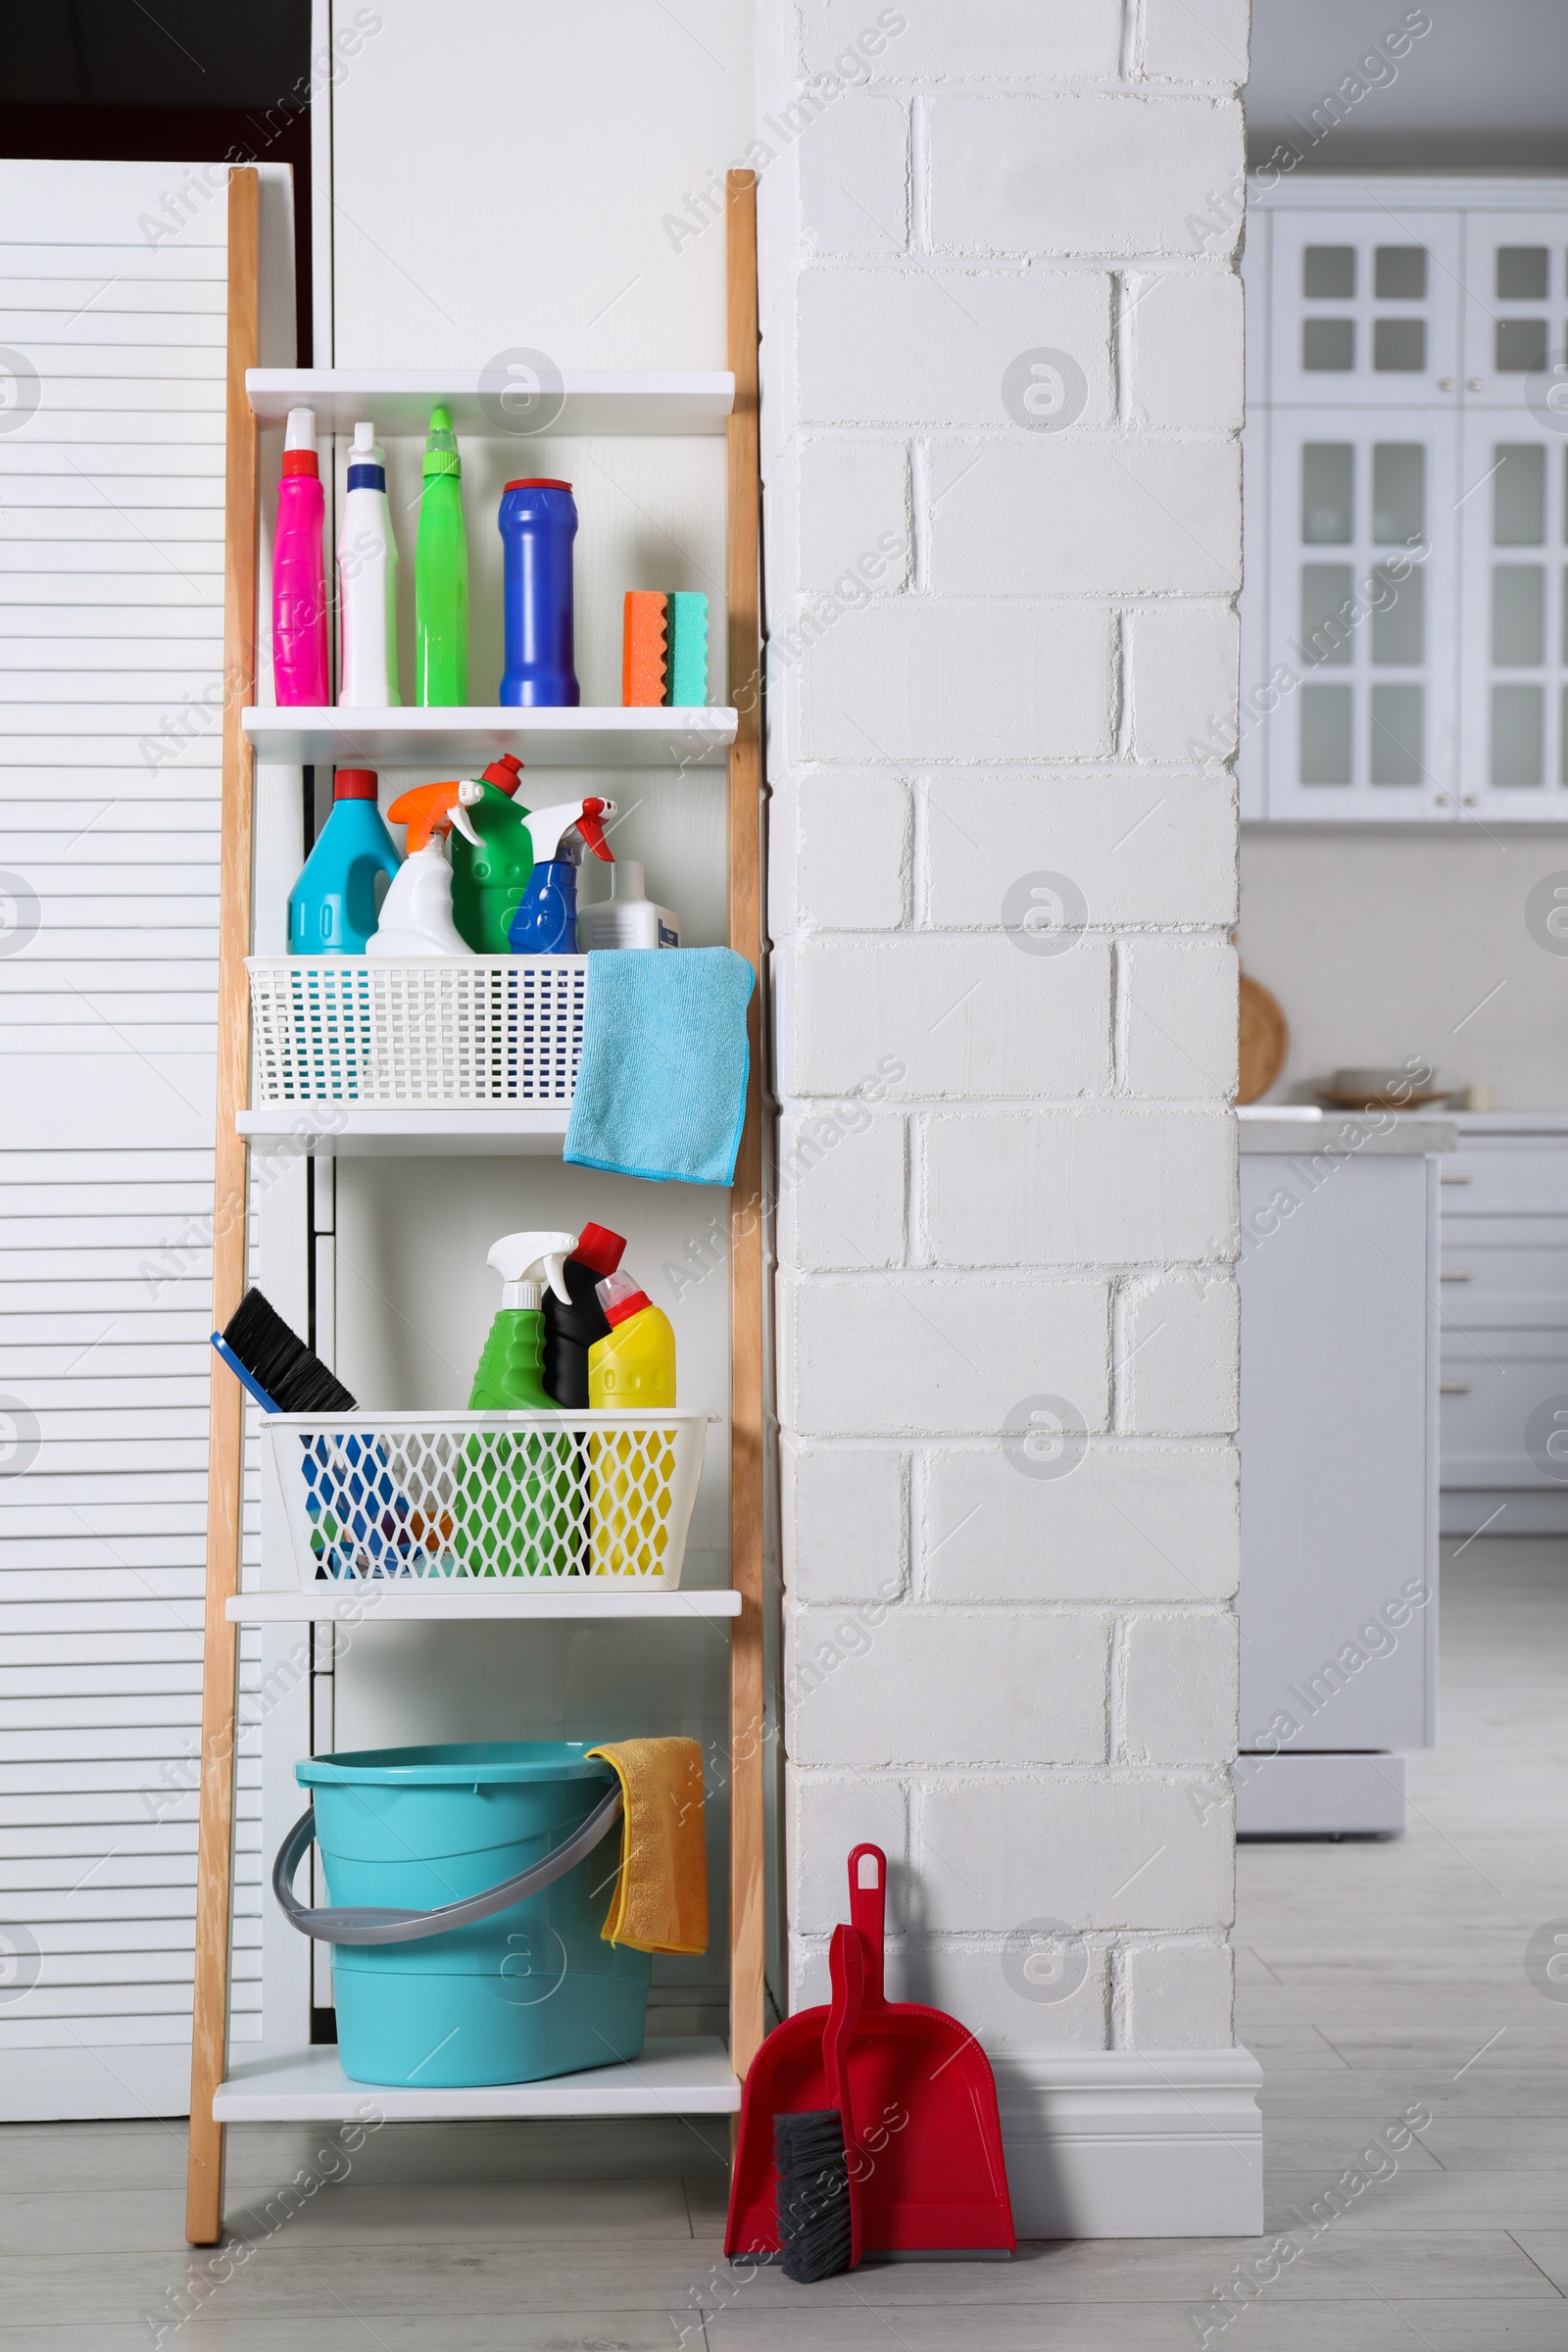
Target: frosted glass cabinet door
1362 590
1364 309
1251 748
1514 752
1516 312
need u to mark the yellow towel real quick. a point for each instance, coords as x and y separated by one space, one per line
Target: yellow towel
661 1899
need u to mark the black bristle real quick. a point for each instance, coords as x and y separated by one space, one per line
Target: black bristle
296 1380
813 2194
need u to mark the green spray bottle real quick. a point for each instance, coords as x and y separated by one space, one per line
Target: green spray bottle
441 575
511 1374
520 1504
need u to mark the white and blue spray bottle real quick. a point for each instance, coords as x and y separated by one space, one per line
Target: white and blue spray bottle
546 922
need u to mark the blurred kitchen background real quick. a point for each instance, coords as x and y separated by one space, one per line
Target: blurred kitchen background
1403 775
1380 929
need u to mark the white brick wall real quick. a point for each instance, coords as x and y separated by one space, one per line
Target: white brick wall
1108 514
1002 692
938 1686
934 1355
949 334
1086 173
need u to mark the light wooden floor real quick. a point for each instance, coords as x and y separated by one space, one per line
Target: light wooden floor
1374 1979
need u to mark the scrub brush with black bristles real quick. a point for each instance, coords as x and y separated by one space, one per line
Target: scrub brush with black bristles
818 2191
281 1373
813 2195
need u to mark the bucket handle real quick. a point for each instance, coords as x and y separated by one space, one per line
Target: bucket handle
362 1925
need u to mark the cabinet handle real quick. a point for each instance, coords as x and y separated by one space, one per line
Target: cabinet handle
1445 383
1454 1274
1455 1179
1453 1388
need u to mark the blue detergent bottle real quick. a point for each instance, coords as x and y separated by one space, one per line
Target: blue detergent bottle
335 905
538 523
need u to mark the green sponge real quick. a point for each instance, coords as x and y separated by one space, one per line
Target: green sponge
686 650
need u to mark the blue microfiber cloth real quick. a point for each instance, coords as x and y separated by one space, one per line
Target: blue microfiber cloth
661 1084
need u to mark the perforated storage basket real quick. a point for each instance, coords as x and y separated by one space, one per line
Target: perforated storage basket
530 1496
439 1029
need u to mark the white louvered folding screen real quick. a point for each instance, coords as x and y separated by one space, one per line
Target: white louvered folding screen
111 381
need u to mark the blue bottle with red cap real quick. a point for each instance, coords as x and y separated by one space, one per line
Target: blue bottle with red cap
336 903
538 523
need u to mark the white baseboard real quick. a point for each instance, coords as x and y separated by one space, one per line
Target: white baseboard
1323 1796
1133 2143
1100 2144
1503 1511
54 2085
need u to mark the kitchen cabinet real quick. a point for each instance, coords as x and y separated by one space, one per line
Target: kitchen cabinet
1364 579
1338 1437
1364 301
1504 1323
1511 674
1404 655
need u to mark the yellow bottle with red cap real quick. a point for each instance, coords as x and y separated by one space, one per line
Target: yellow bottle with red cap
630 1370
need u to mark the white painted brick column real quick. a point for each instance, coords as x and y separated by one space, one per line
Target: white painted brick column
1002 378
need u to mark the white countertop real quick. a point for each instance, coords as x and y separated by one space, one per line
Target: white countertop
1304 1119
1510 1122
1290 1128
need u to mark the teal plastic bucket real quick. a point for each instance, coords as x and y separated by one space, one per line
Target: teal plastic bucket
530 1993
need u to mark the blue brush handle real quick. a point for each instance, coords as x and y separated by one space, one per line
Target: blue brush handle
247 1380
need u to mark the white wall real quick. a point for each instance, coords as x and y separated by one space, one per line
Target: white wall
1009 1177
501 177
1417 943
1481 88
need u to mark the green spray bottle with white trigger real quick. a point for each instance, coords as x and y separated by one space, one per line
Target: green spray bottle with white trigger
520 1505
509 1378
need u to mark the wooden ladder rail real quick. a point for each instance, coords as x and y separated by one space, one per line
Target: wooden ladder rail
743 582
225 1444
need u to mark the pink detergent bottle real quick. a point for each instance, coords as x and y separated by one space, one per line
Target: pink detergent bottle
299 573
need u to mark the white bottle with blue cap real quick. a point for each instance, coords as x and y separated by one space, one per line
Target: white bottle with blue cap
368 582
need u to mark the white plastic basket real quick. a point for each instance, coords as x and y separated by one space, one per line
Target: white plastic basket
440 1029
534 1496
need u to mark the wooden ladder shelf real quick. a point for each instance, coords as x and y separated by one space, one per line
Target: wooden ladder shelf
216 1827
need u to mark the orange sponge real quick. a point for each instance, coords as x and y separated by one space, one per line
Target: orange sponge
642 675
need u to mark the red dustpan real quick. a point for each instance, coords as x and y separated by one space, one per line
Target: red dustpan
927 2142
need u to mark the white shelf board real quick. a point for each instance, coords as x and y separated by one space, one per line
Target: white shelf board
467 739
674 2076
385 1602
398 401
412 1131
